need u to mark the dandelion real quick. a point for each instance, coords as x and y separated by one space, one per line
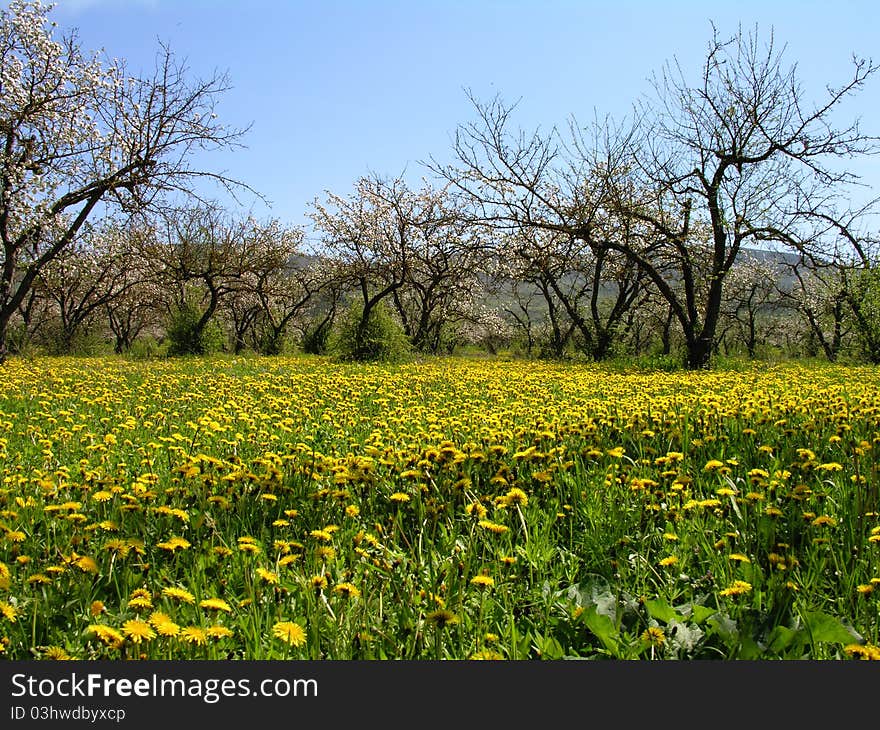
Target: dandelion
653 636
56 653
86 564
738 558
140 598
347 590
516 496
219 632
669 560
482 581
493 527
400 497
167 628
487 655
174 543
193 635
713 465
318 582
178 594
830 466
824 520
864 652
268 576
215 604
739 587
97 608
106 634
289 632
441 618
8 611
138 631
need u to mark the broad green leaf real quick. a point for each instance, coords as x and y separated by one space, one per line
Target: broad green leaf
782 637
701 613
661 610
825 628
602 627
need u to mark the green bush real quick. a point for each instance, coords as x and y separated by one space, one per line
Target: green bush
187 338
380 339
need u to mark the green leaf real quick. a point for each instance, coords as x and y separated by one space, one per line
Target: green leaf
701 613
548 647
782 637
661 610
825 628
602 627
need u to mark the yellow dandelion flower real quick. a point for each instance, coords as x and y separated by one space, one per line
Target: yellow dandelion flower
289 632
487 655
863 651
219 632
399 497
830 466
824 520
106 634
215 604
193 635
516 496
669 560
178 594
8 611
493 527
739 558
268 576
56 653
318 582
482 581
97 608
348 590
653 636
738 588
441 618
138 631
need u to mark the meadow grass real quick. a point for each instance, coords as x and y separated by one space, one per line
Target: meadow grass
269 508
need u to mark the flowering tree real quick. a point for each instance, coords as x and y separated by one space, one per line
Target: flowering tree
80 135
84 279
409 248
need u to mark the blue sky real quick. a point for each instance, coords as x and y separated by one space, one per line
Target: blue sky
336 89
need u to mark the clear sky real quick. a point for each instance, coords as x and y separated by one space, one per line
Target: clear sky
335 89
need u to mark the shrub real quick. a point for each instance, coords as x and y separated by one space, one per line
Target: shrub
186 337
378 338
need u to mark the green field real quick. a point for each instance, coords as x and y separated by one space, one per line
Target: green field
263 508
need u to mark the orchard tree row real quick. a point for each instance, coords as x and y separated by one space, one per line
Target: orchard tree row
720 217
